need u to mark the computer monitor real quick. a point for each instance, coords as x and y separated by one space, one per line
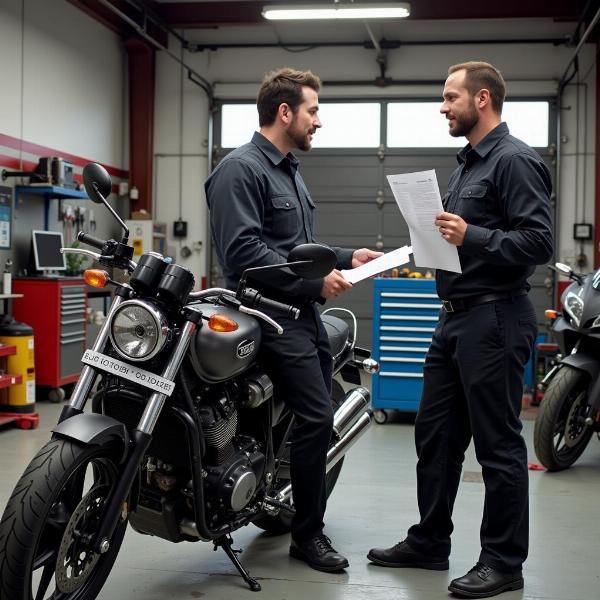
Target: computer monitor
46 251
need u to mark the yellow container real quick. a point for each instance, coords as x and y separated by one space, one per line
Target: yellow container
20 397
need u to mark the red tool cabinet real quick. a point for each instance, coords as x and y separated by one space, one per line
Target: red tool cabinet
56 309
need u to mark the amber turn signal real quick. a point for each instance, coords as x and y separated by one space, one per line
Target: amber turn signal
551 314
222 323
96 278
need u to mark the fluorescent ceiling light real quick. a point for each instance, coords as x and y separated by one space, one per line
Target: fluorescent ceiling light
381 10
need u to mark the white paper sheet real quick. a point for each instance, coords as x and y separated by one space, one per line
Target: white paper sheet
418 197
392 259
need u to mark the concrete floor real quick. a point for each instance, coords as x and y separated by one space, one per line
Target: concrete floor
372 505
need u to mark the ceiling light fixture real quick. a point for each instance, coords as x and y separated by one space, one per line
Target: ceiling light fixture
379 10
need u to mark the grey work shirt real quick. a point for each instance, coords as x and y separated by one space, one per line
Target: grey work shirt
502 190
260 209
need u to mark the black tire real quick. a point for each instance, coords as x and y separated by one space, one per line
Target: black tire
53 507
282 522
560 435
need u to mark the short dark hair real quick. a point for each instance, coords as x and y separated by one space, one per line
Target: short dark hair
283 86
480 75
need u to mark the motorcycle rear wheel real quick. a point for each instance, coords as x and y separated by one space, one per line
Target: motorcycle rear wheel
560 436
282 522
49 520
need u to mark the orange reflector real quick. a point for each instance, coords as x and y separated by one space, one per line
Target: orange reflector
96 278
551 314
222 323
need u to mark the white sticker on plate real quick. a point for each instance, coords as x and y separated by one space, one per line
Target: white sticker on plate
127 371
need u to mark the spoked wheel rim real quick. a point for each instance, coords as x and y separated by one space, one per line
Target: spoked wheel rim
570 429
64 562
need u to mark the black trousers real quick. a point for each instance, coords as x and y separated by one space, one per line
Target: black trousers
473 386
300 365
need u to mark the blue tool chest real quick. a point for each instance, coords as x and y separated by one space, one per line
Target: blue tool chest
405 313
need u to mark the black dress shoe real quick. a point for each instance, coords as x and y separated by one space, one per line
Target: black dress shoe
319 554
402 555
483 581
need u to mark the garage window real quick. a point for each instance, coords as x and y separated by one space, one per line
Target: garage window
420 124
345 125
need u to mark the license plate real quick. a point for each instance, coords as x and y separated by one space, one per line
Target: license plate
127 371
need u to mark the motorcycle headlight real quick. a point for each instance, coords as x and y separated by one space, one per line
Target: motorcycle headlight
574 306
138 330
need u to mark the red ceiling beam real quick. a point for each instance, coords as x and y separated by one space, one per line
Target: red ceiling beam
206 14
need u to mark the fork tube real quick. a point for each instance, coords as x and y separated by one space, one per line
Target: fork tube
86 379
156 401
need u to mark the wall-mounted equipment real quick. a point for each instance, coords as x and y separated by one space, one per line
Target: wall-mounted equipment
51 170
180 228
57 171
582 231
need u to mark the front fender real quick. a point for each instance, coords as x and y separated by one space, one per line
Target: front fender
583 362
93 429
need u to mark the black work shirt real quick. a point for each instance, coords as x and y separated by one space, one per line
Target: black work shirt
260 209
502 190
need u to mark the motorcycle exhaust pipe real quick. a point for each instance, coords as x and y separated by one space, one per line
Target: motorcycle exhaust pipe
353 405
355 427
339 449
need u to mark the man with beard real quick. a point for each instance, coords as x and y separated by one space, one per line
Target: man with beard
260 209
497 212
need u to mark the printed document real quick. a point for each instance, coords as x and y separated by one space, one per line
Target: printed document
418 197
392 259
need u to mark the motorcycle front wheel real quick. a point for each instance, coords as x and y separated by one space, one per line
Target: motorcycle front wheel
49 524
282 522
560 434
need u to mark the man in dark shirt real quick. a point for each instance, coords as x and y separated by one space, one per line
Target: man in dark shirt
497 213
260 209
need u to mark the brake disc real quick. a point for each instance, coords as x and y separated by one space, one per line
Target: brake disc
76 560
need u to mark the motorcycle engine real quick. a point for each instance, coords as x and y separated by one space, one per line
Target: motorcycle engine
232 462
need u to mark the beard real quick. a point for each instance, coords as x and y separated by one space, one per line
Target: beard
465 122
300 137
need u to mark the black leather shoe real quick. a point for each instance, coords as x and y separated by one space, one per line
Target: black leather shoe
483 581
402 555
319 554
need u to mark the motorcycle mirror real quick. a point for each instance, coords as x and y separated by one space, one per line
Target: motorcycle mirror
566 269
98 184
320 260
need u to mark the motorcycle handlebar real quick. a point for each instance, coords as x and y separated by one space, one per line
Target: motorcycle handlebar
86 238
253 299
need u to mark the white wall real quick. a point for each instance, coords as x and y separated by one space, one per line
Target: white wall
530 70
180 162
63 87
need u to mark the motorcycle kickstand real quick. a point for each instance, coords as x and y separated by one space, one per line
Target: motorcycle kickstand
226 542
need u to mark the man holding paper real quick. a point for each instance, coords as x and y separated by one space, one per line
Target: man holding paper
260 209
497 213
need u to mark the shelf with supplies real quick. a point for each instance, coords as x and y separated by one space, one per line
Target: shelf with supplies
405 313
48 192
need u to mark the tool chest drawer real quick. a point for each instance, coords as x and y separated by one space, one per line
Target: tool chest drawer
405 313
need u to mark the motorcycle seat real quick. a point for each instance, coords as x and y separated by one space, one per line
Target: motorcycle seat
338 332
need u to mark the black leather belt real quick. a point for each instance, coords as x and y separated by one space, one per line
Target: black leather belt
461 304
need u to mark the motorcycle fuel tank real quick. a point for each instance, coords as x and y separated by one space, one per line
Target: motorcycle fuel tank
219 355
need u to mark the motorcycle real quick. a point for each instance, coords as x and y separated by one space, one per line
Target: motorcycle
185 439
570 410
